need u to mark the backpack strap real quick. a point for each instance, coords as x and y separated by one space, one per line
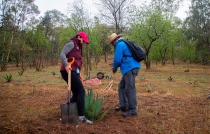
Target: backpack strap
127 56
129 48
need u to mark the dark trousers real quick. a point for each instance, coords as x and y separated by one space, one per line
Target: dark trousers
127 91
77 89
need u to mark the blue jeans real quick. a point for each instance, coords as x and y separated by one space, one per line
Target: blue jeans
127 91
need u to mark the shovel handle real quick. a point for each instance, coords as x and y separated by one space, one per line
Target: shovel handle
70 61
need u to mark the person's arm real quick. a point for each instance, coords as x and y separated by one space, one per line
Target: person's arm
66 49
118 55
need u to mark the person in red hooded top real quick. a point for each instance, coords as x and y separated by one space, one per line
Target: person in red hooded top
73 48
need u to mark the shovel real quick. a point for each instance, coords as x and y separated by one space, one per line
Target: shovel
69 111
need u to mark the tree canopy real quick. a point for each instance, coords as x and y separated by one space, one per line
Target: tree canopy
29 41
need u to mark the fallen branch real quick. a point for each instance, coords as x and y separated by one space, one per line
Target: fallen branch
109 85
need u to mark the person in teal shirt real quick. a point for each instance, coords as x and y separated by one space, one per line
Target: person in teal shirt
129 69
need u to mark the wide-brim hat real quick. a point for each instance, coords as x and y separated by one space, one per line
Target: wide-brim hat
113 36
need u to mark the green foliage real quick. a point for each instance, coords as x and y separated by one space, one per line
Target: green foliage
20 73
103 115
187 50
97 42
66 34
8 78
93 106
40 46
197 28
194 82
170 78
147 32
53 73
13 20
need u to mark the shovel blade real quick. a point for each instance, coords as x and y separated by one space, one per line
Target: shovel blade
69 113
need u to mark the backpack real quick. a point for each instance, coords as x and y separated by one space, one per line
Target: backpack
137 51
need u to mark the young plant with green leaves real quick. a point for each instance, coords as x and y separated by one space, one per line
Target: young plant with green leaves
93 106
20 73
170 78
8 78
53 73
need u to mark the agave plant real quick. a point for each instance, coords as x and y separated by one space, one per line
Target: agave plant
93 106
8 78
170 78
53 73
20 73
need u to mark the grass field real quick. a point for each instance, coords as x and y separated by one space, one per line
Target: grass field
171 100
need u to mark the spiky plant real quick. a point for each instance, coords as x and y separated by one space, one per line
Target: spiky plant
20 73
93 106
8 78
170 78
53 73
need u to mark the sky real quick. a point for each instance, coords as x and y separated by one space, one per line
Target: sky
61 5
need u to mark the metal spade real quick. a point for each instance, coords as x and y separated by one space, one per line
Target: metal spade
69 111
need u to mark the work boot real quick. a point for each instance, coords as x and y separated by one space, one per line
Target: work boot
83 119
120 108
129 113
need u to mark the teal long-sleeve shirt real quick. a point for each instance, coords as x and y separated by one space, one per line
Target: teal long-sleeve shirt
126 63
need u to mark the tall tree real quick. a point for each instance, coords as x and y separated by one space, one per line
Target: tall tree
99 41
148 31
53 21
151 23
14 14
198 25
116 13
40 47
80 20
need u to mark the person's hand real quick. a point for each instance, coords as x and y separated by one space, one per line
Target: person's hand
114 71
68 68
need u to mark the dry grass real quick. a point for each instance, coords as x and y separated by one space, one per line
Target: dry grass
30 103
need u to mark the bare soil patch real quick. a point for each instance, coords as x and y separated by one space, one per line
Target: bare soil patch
30 103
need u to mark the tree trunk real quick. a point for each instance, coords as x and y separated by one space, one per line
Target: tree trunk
10 47
105 57
147 62
172 57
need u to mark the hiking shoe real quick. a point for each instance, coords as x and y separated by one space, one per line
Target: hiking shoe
120 108
128 113
83 119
